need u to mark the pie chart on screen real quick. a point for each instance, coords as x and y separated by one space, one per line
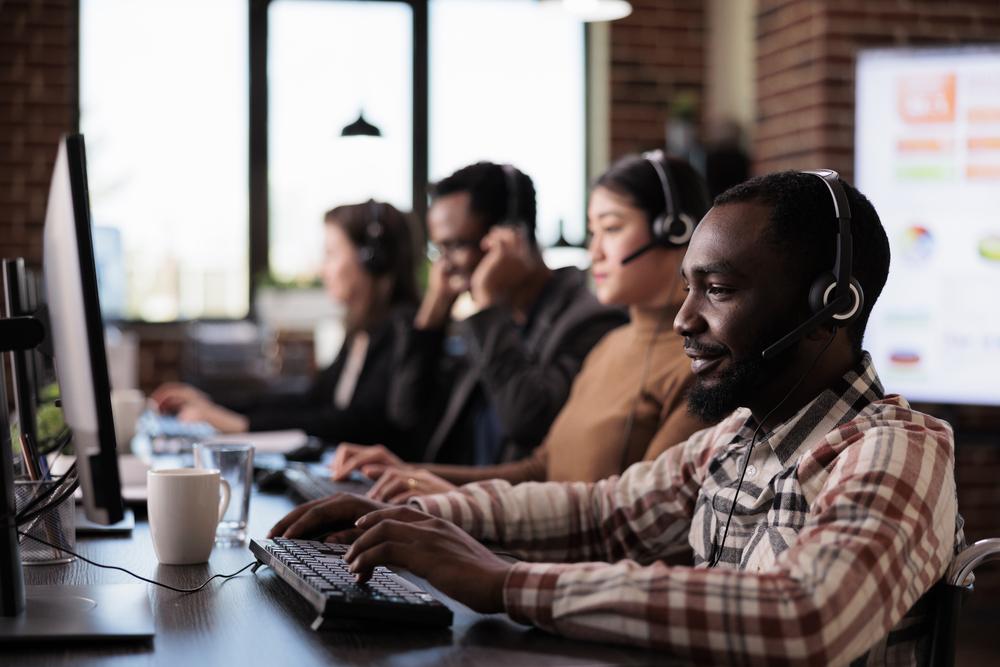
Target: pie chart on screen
989 248
916 243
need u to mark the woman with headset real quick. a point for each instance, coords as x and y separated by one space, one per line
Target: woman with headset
628 401
369 269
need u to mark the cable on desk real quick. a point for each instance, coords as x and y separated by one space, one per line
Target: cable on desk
66 486
57 484
138 576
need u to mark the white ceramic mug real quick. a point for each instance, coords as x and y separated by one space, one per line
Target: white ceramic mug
184 507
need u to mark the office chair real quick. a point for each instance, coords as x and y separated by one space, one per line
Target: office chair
951 591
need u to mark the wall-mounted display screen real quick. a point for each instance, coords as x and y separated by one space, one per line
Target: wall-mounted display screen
927 151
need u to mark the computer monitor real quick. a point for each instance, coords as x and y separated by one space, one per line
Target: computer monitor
77 333
22 370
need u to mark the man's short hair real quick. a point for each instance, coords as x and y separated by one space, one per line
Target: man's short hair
487 186
803 225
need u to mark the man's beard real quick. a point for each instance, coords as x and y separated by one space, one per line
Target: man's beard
729 391
735 386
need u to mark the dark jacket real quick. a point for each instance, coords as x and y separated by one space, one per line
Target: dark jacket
520 376
364 419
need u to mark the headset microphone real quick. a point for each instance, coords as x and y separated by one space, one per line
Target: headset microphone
640 252
835 295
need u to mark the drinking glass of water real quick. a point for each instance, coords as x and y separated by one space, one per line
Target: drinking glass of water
234 461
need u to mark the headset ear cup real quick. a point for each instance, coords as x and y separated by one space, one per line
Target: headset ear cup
821 290
660 228
372 253
820 287
857 304
681 230
371 260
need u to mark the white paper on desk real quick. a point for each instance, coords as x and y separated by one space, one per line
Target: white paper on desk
269 442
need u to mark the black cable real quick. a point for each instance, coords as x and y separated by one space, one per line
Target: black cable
137 576
717 552
56 482
63 439
26 516
31 510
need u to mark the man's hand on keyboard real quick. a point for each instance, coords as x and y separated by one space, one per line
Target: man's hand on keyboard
329 518
432 548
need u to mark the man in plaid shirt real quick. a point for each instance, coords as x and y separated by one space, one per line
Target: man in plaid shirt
845 515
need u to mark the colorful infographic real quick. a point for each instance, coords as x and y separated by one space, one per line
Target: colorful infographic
927 154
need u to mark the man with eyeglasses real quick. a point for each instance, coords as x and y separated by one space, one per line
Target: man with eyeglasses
486 389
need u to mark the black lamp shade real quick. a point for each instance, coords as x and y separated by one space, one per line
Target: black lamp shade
360 128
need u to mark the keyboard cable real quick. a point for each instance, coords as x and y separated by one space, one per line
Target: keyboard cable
139 576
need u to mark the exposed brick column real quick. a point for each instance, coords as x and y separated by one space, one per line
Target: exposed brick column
656 52
805 67
38 56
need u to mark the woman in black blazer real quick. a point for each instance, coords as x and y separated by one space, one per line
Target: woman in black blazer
369 268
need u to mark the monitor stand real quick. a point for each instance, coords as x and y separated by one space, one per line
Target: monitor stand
85 526
54 613
81 613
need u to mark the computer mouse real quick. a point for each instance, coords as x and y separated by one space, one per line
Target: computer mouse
310 452
271 481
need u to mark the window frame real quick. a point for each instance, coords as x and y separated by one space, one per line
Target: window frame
258 161
259 205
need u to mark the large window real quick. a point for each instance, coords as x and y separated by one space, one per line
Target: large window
163 107
507 85
329 62
166 106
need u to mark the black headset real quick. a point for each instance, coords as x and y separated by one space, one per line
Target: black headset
372 251
512 212
673 227
835 295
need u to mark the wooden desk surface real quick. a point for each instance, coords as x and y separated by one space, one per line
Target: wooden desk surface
257 619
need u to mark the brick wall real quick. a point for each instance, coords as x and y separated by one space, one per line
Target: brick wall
656 53
806 53
37 104
805 84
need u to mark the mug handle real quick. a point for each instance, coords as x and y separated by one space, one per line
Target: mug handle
224 500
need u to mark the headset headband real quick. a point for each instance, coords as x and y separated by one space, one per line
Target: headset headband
657 158
511 216
843 263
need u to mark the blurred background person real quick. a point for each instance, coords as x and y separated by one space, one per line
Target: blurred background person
486 389
628 402
369 269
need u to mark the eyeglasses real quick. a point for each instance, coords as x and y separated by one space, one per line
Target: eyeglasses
450 248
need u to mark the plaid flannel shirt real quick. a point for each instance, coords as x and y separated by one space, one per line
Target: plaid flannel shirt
846 517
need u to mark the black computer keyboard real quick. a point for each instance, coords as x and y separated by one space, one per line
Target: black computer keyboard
311 482
317 571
